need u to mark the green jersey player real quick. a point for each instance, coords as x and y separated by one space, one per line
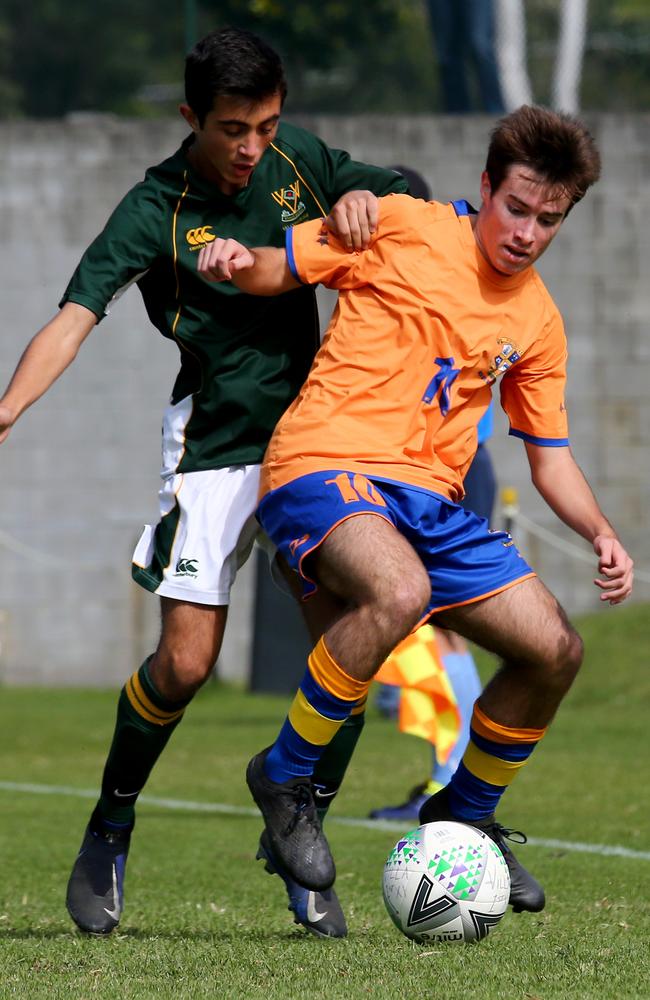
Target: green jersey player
239 174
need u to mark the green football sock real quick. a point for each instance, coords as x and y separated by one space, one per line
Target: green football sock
144 723
330 769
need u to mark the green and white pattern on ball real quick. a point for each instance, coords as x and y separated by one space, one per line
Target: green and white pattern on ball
407 849
446 882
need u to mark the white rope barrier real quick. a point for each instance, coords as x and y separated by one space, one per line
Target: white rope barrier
584 555
515 518
41 558
519 520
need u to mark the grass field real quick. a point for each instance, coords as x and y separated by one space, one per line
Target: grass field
202 919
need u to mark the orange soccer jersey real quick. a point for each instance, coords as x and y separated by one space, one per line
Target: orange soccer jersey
423 328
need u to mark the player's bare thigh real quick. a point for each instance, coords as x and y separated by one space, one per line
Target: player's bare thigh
365 559
523 624
368 565
189 645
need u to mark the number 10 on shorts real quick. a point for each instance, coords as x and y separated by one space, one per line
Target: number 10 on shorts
354 487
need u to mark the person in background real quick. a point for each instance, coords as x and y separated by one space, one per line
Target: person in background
464 32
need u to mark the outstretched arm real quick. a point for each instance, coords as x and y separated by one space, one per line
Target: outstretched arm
559 479
261 271
47 355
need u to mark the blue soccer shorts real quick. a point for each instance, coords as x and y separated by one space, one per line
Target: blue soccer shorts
466 562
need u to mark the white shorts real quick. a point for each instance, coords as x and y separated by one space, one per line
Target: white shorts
206 532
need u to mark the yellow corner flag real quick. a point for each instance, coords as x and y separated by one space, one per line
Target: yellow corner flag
428 706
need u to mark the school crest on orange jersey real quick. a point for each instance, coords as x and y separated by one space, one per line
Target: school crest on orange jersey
507 355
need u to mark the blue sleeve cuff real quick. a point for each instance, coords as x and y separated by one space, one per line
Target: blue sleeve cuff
291 260
542 442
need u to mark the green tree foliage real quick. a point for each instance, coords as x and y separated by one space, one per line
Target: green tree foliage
343 56
617 60
10 93
66 56
126 56
616 66
115 55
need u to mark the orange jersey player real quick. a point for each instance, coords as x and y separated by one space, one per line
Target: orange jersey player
424 327
363 474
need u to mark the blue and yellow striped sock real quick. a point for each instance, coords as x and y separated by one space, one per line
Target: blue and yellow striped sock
325 699
494 755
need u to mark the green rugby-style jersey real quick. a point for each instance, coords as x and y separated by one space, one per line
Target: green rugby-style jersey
243 358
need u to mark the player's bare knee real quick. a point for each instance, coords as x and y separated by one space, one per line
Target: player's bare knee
573 654
178 674
406 604
566 659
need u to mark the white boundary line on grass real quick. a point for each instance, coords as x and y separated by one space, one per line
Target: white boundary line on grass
367 824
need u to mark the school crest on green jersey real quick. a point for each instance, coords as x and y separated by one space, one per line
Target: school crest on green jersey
293 209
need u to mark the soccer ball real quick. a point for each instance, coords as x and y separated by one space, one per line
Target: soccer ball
446 882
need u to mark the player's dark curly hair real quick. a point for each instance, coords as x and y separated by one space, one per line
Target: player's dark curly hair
557 146
231 62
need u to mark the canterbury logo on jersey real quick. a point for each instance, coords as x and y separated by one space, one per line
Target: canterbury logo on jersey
198 237
288 199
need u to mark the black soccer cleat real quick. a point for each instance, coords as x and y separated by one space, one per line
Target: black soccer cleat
319 912
293 826
525 891
95 895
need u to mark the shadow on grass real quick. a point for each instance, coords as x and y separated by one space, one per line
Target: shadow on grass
137 934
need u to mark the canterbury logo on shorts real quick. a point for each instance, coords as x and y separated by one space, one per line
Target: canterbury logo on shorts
199 237
187 567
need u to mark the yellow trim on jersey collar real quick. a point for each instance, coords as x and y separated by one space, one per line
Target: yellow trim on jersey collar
298 174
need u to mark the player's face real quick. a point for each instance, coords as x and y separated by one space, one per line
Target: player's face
517 222
233 138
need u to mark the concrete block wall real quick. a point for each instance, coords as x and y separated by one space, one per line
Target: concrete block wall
79 474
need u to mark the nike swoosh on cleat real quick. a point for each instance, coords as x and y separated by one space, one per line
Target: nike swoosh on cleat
115 912
318 794
313 916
